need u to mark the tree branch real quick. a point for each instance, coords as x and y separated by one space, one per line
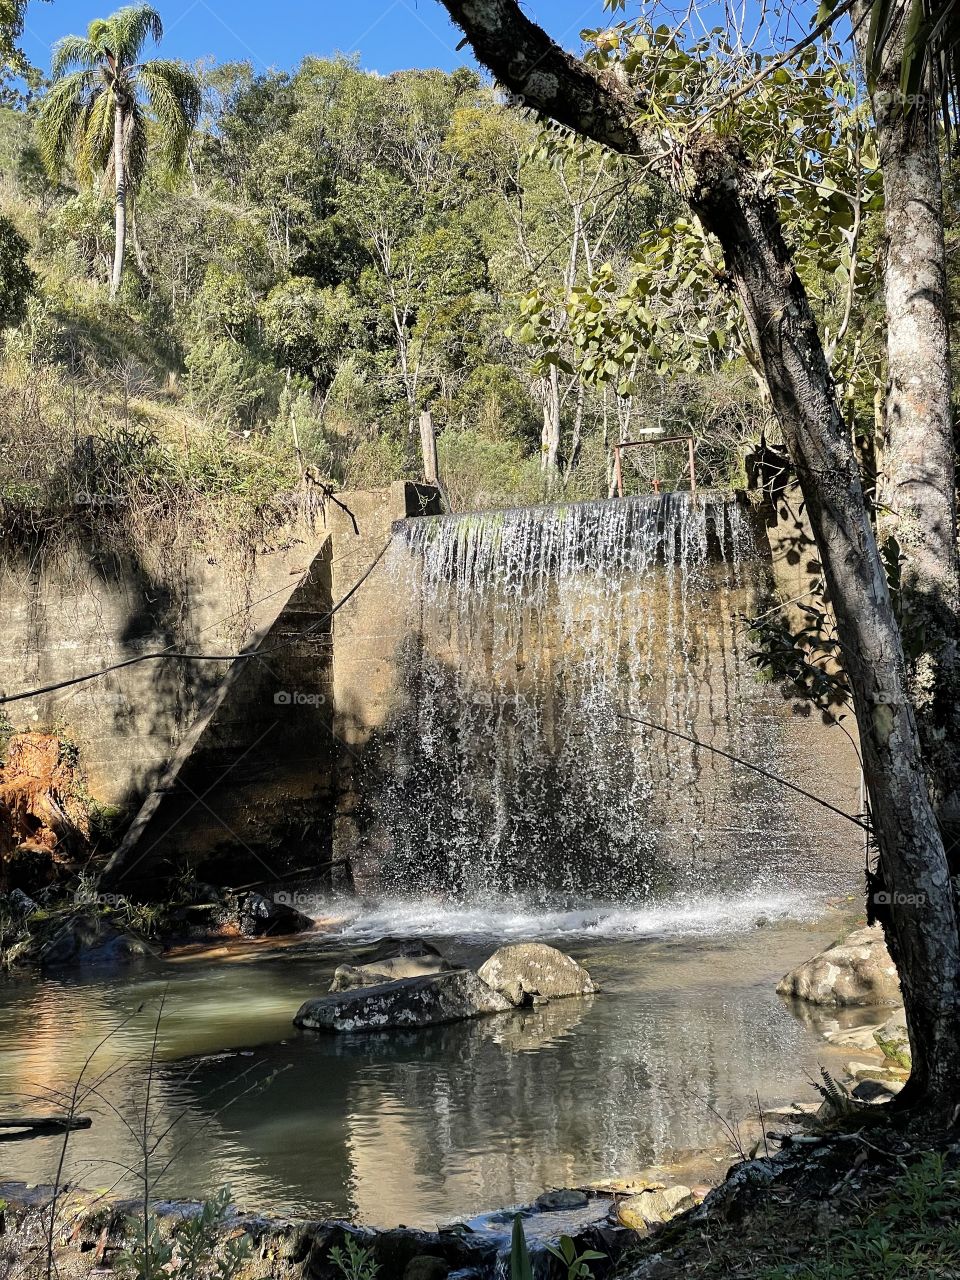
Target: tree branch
545 77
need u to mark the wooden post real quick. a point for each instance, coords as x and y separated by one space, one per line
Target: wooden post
618 470
693 466
428 447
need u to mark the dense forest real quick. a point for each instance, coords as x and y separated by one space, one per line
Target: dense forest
336 251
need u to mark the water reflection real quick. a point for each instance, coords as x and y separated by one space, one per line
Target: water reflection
417 1127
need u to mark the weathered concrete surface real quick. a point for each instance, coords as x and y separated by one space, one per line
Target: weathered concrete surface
410 1002
69 609
368 634
252 793
248 795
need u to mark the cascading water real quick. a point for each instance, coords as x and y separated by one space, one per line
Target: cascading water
507 769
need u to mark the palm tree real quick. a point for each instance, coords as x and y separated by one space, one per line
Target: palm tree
928 32
112 109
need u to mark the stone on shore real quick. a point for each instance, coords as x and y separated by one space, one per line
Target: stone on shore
525 970
857 970
347 977
406 1003
651 1208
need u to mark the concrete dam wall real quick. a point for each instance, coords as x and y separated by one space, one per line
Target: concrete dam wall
456 725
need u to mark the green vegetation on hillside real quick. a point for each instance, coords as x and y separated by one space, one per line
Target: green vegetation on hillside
342 251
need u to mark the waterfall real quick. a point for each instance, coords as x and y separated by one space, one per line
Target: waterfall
506 768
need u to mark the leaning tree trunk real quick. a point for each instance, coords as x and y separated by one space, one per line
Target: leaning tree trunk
913 894
120 206
921 919
916 485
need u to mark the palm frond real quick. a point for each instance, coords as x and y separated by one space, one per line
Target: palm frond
129 29
175 98
74 51
135 146
931 55
929 32
94 136
61 112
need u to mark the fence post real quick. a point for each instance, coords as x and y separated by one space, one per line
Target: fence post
428 447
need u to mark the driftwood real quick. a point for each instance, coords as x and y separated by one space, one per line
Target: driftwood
38 1126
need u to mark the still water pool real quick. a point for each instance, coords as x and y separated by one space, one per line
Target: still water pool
424 1126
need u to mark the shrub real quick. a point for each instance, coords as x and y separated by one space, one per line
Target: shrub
16 278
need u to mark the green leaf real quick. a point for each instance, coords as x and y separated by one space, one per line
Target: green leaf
520 1265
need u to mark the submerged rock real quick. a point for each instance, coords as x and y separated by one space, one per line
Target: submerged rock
348 977
565 1198
525 970
857 970
409 1002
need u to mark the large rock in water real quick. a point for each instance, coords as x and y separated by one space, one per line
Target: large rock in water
857 970
347 977
526 969
407 1003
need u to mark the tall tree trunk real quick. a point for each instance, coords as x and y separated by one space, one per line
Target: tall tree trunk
916 901
120 206
550 434
916 485
921 919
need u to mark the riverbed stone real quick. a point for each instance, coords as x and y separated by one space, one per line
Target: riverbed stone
857 970
347 977
522 971
409 1002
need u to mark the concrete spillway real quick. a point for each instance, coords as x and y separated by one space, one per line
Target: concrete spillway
505 765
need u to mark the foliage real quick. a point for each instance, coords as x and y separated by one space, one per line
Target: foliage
198 1249
355 1262
344 250
521 1268
806 132
931 56
16 278
577 1264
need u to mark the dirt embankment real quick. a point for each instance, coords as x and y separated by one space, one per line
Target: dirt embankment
44 812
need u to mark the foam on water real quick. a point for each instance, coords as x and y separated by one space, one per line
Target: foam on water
512 920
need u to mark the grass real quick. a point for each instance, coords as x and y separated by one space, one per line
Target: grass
911 1230
888 1217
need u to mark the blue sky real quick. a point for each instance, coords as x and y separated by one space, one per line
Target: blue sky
387 34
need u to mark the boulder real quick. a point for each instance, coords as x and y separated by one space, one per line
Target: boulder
409 1002
261 917
347 977
525 970
650 1208
84 938
20 904
857 970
